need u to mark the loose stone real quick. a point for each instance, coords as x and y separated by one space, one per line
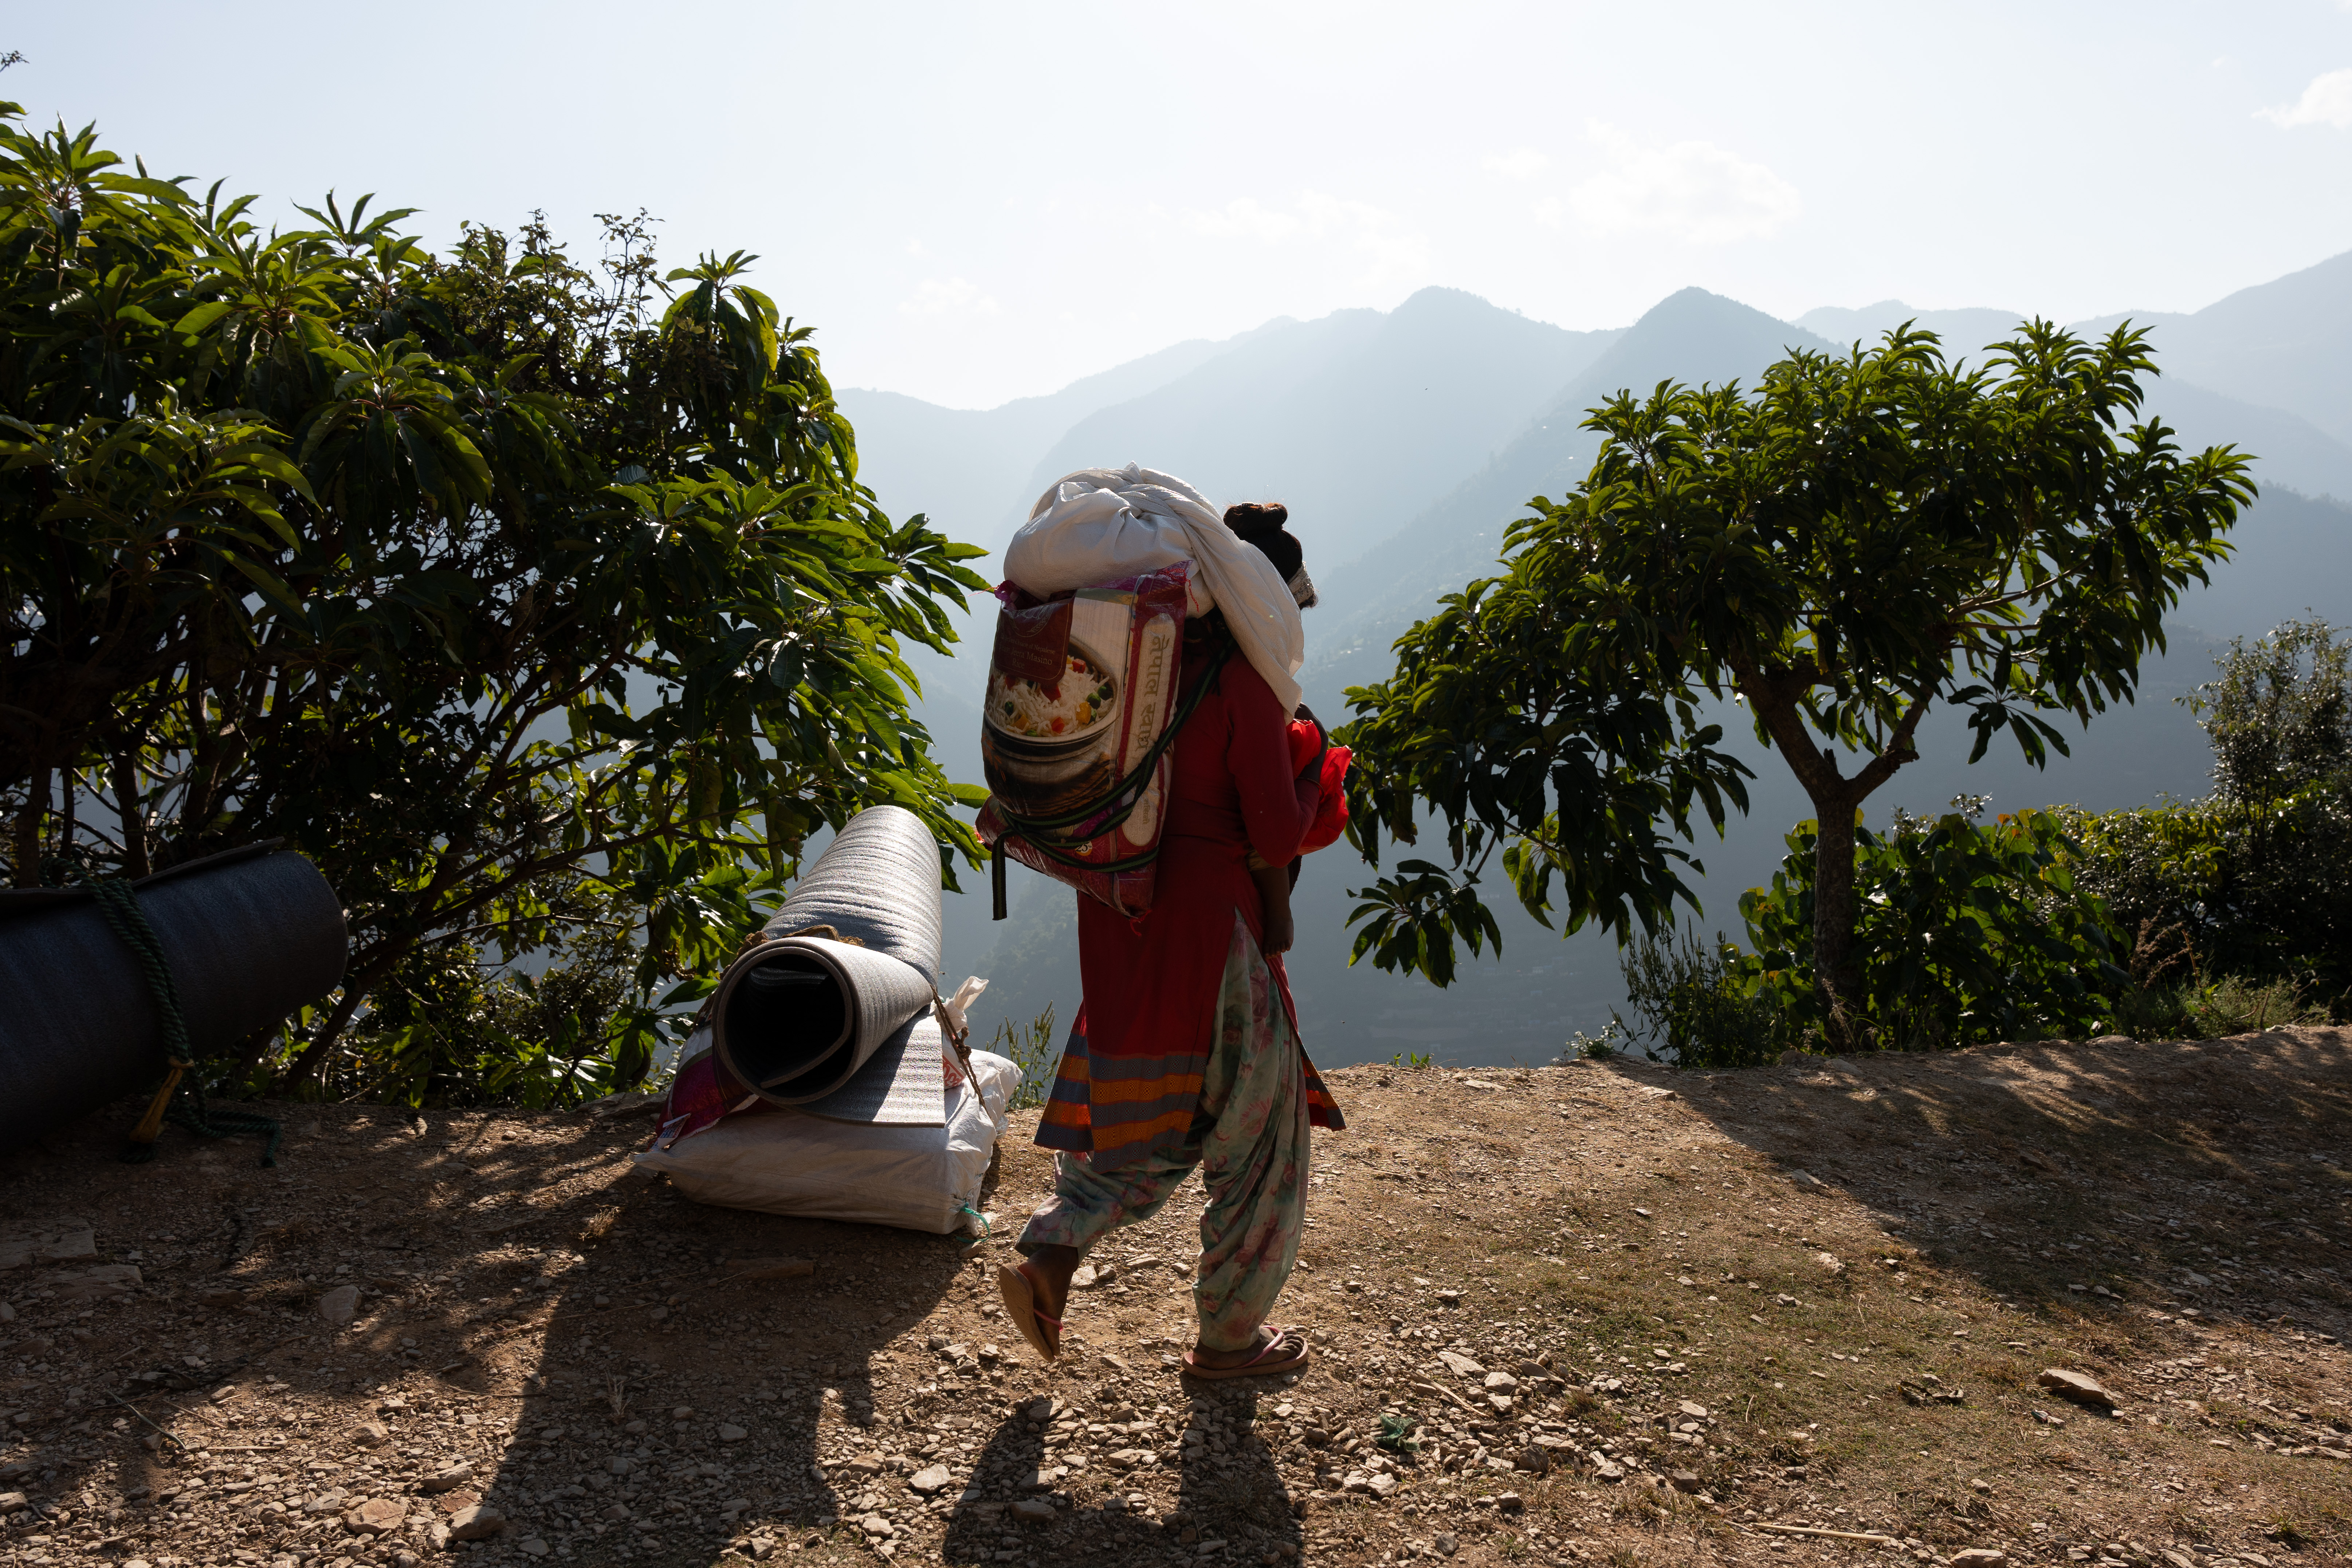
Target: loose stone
477 1523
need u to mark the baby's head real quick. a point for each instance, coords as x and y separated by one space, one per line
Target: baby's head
1260 523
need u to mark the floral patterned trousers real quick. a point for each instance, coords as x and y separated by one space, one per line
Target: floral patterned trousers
1249 1138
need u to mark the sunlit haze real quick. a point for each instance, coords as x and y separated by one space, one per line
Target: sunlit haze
974 203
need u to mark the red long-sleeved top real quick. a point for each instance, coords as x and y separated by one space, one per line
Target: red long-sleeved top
1131 1078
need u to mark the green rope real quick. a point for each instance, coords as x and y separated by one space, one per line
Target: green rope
119 904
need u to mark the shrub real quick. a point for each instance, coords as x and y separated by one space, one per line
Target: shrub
539 603
1030 1046
1696 1002
2233 1006
2258 889
2280 716
2257 877
1967 933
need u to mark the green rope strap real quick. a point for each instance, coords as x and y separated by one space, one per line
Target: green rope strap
183 1086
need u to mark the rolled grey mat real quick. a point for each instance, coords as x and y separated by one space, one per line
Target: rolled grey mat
851 958
903 1084
878 882
795 1019
249 936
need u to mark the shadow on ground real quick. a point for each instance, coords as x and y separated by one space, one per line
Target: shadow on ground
2186 1177
1227 1494
678 1395
564 1340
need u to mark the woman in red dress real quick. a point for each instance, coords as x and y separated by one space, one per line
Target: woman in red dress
1186 1053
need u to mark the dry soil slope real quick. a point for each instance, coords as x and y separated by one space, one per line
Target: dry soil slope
1598 1293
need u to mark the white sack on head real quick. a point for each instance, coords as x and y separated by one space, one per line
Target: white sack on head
1098 525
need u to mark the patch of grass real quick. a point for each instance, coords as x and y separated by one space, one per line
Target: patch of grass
2200 1010
1031 1048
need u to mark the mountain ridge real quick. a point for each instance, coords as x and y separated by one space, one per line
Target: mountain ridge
1691 336
2286 344
1357 415
1256 416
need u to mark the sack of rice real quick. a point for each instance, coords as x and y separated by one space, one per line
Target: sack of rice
1074 739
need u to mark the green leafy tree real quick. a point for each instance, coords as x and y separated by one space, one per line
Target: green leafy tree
1863 538
2279 716
535 601
2254 881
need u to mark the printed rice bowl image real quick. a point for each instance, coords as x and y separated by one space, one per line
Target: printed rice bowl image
1048 752
1052 715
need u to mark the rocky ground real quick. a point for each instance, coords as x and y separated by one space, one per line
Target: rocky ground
1583 1313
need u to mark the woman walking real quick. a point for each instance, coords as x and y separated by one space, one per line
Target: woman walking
1185 1051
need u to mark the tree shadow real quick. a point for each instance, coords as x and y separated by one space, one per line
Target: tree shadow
537 1329
687 1389
2178 1180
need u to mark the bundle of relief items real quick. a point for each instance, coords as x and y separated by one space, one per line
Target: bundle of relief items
827 1077
1083 677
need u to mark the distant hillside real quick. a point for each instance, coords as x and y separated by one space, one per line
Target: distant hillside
2288 557
963 466
2285 344
2273 415
2290 452
1406 442
1692 336
1963 331
1357 421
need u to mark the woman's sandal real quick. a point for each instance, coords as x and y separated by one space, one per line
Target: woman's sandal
1019 1295
1259 1365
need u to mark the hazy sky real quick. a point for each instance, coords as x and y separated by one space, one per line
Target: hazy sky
975 202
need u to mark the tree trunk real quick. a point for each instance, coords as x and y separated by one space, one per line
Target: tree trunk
28 848
1836 799
312 1061
133 813
248 1057
1834 969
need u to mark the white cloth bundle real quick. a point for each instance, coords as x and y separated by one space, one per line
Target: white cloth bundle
1098 525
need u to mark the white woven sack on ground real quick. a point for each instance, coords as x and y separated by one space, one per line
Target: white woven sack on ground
778 1160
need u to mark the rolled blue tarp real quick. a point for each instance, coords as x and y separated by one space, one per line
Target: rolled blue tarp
249 936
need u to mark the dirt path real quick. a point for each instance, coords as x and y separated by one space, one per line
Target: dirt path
1623 1315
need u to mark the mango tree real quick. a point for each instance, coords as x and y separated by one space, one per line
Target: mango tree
539 603
1860 539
